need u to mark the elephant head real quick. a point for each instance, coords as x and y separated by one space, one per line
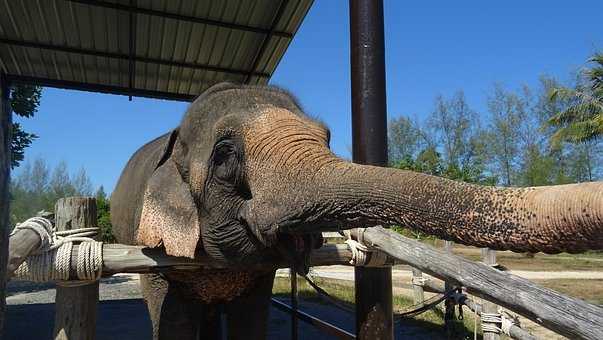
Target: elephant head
248 173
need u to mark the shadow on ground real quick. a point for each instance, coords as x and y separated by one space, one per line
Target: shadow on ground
128 319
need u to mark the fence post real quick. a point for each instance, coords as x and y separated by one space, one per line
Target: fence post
489 258
5 159
76 306
417 287
449 307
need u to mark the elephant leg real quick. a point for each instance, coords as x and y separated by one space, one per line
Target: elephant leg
174 315
247 316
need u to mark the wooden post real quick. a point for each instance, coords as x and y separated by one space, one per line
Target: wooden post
417 287
76 306
489 258
448 307
5 158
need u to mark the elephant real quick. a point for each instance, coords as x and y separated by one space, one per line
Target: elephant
248 177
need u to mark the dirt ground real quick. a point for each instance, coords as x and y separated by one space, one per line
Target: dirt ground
123 315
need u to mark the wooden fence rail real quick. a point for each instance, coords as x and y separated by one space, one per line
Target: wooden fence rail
567 316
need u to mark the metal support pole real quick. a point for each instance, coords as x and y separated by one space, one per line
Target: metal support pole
374 317
5 159
294 306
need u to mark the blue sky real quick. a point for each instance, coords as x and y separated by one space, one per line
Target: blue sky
432 47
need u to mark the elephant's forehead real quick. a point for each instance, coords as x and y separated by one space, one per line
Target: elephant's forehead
273 123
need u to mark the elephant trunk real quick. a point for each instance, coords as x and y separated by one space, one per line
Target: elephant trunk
550 219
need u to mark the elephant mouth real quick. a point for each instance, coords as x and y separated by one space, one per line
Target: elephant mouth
296 249
287 243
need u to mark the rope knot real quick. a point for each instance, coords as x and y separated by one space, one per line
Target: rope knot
52 260
362 254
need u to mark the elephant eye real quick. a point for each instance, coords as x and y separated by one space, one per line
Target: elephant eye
223 152
225 160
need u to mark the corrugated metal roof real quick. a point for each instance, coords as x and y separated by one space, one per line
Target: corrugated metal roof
157 48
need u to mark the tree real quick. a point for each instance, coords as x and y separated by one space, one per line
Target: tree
81 183
60 182
104 216
24 101
403 139
37 188
582 120
505 121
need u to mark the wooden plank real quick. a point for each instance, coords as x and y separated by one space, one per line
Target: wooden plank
489 258
448 306
417 289
5 139
119 258
573 318
76 306
20 246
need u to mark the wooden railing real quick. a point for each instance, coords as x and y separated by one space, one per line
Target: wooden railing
76 306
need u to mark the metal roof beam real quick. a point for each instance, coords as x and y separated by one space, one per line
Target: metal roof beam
126 57
152 12
267 38
111 89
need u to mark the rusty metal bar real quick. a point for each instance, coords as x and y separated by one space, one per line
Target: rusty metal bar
80 86
374 317
324 326
258 57
180 17
131 48
127 57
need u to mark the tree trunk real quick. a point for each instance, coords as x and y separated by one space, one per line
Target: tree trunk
5 140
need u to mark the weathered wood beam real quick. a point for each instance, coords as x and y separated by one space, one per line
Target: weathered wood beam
20 245
119 258
567 316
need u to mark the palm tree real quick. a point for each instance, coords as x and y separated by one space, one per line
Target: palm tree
582 119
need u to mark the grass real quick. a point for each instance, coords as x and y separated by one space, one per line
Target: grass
590 261
589 290
432 321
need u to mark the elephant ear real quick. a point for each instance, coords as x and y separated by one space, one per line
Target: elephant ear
169 215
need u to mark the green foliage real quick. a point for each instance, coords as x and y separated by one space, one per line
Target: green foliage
35 187
24 101
104 216
582 120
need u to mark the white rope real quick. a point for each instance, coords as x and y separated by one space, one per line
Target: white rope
508 320
362 255
500 322
52 260
418 280
491 322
